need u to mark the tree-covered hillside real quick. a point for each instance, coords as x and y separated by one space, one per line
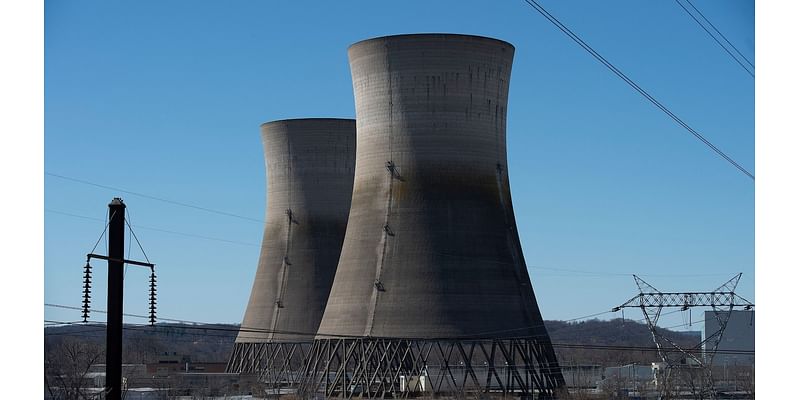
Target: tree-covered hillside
584 342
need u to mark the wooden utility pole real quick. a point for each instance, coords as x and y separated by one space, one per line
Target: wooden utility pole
116 270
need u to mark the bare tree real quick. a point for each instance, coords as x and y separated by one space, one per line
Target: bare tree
614 385
143 349
67 366
745 377
162 386
694 379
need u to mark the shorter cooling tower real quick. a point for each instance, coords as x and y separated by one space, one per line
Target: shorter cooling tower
310 164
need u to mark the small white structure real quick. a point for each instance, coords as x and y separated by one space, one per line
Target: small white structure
415 383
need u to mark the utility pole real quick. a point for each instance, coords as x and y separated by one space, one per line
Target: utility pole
116 274
116 257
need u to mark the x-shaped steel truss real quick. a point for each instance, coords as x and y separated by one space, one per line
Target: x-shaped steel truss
392 367
722 301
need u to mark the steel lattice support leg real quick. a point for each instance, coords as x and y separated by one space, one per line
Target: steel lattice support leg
380 367
281 366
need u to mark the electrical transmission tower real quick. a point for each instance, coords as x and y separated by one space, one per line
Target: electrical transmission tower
722 302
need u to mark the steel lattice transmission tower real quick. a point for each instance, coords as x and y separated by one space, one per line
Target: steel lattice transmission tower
723 300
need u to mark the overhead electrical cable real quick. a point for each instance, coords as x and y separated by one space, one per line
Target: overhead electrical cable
103 234
310 334
130 228
262 330
157 229
556 344
625 274
533 267
634 85
720 33
147 196
217 327
592 274
124 314
715 38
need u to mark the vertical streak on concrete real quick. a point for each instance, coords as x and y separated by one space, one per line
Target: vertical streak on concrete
391 169
284 275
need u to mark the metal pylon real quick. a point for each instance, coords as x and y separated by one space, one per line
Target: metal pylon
651 302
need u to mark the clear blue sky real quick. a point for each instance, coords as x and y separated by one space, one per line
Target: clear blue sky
165 99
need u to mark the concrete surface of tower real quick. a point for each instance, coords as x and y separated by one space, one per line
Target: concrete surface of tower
431 249
310 165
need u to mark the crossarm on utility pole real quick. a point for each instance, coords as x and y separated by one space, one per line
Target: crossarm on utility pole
100 257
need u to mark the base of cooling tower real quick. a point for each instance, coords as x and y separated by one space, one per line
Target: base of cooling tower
401 368
279 365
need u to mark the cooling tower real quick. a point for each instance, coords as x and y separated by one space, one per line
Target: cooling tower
431 249
310 164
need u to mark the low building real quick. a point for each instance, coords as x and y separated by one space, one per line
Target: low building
582 376
738 344
171 363
630 379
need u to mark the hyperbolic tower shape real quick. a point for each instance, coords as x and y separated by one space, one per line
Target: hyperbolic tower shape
310 165
431 293
431 249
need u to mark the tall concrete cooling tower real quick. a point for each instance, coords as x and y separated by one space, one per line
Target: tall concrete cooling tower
310 164
431 251
431 248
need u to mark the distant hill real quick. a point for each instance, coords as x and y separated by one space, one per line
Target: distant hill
616 333
214 342
143 344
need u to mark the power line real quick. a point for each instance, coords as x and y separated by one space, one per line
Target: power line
216 327
556 345
125 314
130 228
102 234
313 334
588 273
147 196
181 321
714 37
625 274
636 348
263 330
534 267
697 322
156 229
720 33
206 327
635 86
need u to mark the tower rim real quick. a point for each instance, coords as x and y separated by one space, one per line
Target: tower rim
430 35
305 120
